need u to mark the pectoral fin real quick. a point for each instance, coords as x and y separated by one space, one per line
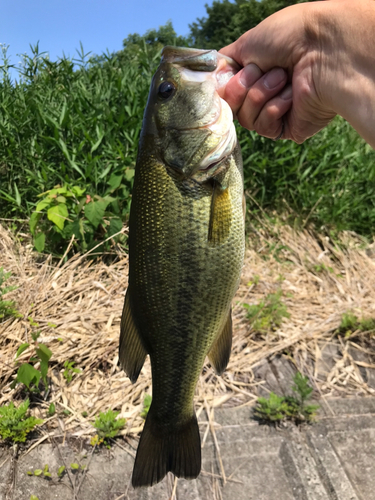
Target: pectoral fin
132 354
220 215
220 350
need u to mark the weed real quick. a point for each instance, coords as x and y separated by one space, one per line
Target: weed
70 370
278 408
51 410
14 423
319 268
351 323
67 211
268 314
107 426
146 405
27 373
367 324
7 307
45 472
254 281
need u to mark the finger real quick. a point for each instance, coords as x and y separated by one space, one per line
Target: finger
259 95
270 119
236 89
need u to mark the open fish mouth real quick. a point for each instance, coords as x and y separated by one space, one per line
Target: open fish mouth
225 128
219 70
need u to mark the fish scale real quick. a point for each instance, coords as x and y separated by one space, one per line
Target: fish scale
186 248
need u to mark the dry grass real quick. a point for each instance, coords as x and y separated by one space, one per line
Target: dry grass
84 300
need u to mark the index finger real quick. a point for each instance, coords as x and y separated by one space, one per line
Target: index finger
235 91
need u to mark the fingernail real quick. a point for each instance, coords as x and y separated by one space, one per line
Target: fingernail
286 93
274 78
249 75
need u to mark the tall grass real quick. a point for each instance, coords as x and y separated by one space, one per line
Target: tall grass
76 122
60 124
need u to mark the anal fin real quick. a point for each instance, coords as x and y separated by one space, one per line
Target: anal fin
132 354
220 351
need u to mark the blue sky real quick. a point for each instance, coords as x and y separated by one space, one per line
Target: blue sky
60 25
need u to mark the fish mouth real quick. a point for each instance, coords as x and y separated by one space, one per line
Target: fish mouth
225 129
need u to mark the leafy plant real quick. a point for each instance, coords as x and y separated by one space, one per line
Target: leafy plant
51 410
28 374
146 405
70 370
107 426
14 422
350 323
7 307
268 314
65 212
45 472
277 408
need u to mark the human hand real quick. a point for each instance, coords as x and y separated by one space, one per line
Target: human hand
283 74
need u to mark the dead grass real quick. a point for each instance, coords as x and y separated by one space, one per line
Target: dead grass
319 280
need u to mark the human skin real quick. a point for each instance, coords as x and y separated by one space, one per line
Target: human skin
304 65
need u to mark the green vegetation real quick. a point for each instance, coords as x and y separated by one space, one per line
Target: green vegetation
107 427
278 408
27 373
351 323
14 422
7 307
268 314
69 132
70 370
146 405
51 410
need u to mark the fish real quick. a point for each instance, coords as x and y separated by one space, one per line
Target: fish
186 252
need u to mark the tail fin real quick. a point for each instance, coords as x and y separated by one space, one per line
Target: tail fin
161 450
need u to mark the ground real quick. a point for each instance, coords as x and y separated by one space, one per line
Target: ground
307 283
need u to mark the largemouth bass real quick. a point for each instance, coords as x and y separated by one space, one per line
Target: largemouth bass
186 249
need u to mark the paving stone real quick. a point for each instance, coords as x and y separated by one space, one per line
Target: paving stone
334 459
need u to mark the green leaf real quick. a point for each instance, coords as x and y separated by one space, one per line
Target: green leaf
58 214
46 468
74 466
40 241
43 204
33 222
44 353
114 181
115 226
18 197
77 190
51 409
61 470
44 370
21 349
37 472
95 211
27 375
129 174
33 497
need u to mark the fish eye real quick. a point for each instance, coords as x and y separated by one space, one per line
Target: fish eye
166 89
